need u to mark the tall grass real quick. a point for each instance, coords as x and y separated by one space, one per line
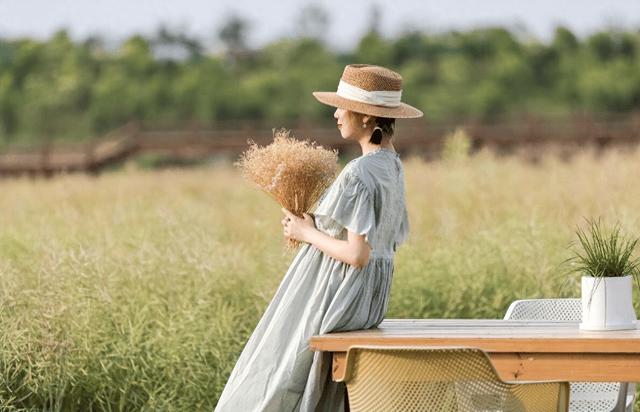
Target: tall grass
137 290
604 253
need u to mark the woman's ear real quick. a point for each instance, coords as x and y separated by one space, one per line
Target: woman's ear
366 118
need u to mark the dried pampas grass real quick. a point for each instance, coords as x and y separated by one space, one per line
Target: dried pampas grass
294 172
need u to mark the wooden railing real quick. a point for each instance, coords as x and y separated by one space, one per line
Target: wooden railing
531 137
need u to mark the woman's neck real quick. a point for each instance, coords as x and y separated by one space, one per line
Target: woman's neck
370 147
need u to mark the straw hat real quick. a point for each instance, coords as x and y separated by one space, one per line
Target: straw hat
372 90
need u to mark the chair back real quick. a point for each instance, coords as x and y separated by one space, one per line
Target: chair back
545 309
409 378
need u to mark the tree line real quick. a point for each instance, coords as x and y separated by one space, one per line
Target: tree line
61 88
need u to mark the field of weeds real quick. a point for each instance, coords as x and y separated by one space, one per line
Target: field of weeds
137 290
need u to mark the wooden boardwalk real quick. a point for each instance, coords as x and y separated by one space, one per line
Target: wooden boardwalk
527 137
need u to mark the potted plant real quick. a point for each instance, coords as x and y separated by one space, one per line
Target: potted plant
607 269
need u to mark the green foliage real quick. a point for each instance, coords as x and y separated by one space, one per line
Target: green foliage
59 88
604 254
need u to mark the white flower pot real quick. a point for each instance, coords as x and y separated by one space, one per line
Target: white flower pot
607 303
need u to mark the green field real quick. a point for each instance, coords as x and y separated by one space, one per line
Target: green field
137 290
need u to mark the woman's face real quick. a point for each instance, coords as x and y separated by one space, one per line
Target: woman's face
347 125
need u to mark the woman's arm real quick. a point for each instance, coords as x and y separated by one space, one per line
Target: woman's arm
353 251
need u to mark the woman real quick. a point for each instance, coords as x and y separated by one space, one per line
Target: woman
341 277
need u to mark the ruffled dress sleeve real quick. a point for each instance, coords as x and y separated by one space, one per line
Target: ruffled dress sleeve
347 204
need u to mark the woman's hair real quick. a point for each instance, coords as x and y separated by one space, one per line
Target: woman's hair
383 127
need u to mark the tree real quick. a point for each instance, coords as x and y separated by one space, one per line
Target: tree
313 22
375 18
233 35
175 45
564 40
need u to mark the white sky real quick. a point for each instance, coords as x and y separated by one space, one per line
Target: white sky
270 19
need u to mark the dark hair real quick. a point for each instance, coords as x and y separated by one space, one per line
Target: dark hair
384 126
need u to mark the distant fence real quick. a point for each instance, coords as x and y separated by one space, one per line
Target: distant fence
527 135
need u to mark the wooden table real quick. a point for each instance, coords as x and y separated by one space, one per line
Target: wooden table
520 350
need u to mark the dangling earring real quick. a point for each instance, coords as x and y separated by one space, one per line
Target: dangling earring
364 125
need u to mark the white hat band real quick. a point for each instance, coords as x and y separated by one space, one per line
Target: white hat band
387 98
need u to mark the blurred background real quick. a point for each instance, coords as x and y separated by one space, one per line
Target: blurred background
86 85
131 282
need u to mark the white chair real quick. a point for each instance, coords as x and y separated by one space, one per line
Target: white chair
585 396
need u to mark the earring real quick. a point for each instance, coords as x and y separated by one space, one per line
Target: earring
364 125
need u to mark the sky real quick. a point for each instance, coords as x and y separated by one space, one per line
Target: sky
273 19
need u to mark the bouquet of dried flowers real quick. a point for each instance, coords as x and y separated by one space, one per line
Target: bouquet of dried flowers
294 172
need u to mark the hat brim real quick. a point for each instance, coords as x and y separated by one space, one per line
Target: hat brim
404 111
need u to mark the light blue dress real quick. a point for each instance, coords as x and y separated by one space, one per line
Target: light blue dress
276 371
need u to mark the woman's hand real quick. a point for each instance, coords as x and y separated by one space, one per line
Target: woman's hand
354 251
295 227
